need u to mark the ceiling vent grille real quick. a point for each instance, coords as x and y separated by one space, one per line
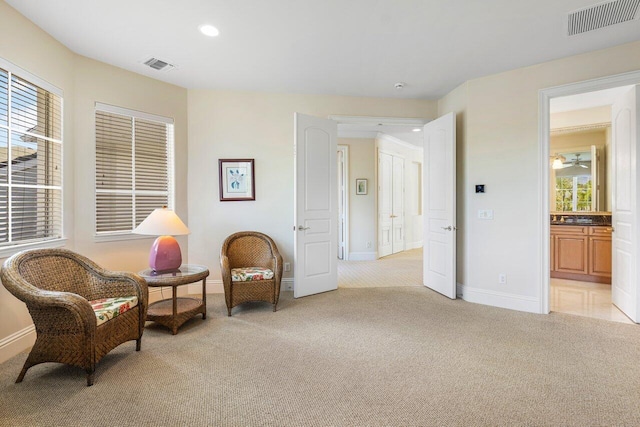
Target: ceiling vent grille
158 64
602 15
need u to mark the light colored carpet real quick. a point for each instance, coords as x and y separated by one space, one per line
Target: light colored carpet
353 357
401 269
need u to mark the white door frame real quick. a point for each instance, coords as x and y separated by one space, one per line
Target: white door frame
544 127
345 158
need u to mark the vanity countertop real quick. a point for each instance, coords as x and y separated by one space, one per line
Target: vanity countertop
581 218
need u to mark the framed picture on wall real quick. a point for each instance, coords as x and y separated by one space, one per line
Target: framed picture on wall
237 180
361 186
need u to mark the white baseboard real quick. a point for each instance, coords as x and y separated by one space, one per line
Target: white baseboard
413 245
216 286
286 284
498 299
17 342
363 256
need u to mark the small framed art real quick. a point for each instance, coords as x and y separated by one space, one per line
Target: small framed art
237 180
361 186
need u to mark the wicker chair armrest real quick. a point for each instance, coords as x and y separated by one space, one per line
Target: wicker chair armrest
277 262
72 306
225 268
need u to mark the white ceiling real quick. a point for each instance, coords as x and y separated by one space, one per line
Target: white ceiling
345 47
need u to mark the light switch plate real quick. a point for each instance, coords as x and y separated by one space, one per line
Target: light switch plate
485 214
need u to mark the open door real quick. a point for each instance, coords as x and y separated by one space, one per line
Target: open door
624 150
385 204
439 183
315 206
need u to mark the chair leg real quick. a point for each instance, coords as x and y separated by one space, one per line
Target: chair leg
90 376
138 344
274 307
22 373
228 311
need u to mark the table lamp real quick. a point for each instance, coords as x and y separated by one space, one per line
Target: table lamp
165 252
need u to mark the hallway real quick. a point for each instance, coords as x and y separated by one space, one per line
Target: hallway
401 269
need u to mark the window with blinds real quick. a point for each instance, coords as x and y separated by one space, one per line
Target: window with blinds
134 167
30 160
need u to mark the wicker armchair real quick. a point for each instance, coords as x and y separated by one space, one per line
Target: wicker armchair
254 250
57 285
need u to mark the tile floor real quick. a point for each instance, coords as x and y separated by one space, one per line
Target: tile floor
585 299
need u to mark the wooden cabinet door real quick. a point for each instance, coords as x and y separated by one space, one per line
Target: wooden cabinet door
552 252
572 254
600 251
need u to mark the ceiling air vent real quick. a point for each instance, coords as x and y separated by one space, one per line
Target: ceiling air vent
602 15
158 64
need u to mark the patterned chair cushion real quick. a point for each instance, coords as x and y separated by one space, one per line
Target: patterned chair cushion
108 308
250 274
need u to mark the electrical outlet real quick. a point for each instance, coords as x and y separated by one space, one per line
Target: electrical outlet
502 278
287 266
368 245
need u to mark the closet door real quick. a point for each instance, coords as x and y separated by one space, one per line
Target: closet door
397 209
385 204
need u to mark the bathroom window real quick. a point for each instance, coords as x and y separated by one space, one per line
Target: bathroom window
573 193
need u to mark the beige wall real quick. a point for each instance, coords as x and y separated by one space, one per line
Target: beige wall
501 129
84 82
234 124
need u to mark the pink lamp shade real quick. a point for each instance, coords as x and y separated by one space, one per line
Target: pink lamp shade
165 254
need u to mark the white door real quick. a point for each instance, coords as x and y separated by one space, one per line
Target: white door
315 205
624 203
439 183
341 205
397 210
385 204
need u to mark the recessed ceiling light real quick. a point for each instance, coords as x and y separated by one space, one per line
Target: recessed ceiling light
209 30
417 129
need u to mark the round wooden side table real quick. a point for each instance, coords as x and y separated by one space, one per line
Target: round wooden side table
173 312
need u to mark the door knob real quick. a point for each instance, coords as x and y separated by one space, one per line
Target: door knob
446 228
301 228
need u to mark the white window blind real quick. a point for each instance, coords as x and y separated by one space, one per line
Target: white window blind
134 167
30 160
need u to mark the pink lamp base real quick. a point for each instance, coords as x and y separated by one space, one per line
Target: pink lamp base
165 254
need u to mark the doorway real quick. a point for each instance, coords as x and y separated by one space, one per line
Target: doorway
555 290
359 148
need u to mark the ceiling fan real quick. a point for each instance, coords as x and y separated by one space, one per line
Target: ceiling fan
574 162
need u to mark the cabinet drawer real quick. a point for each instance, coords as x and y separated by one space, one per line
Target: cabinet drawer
569 229
600 231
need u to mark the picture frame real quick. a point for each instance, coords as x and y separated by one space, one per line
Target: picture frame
361 186
237 180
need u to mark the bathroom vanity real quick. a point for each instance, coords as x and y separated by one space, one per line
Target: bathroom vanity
581 246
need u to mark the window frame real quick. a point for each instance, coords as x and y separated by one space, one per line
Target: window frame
110 236
11 248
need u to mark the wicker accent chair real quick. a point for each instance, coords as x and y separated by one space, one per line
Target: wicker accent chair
249 249
57 285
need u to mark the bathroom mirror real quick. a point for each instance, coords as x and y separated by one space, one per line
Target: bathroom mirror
576 180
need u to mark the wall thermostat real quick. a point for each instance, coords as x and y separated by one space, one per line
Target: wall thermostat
480 188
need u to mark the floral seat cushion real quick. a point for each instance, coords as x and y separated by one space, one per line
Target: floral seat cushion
108 308
250 274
